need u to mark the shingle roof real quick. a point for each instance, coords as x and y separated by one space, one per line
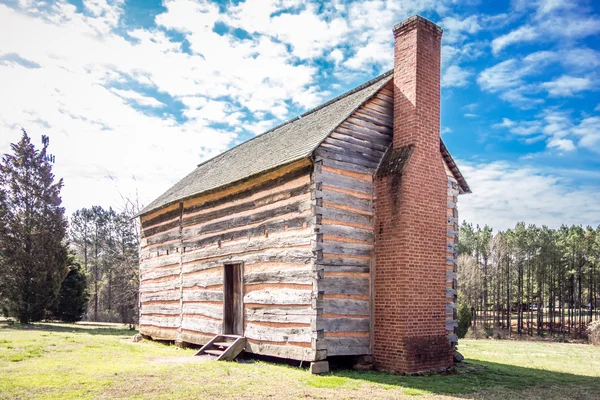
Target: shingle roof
286 143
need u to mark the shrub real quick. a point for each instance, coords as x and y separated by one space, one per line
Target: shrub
71 303
464 319
594 333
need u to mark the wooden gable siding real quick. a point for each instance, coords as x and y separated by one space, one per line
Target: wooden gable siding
452 258
268 225
344 167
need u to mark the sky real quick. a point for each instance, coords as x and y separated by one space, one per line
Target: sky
134 94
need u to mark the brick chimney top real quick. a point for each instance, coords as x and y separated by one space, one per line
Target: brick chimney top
414 22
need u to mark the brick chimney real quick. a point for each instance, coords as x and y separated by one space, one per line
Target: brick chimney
410 214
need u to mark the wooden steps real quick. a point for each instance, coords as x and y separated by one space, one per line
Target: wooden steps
225 347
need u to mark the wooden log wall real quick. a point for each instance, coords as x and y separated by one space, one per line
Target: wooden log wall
452 259
268 225
344 167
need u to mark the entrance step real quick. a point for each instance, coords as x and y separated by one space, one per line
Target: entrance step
226 347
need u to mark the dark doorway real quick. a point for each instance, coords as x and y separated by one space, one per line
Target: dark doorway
233 305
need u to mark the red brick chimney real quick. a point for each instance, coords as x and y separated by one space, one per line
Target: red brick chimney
410 214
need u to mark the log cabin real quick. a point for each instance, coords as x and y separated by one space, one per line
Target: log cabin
332 234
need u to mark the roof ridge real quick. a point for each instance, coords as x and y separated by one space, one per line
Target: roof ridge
317 108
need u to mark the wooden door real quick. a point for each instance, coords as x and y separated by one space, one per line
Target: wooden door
233 304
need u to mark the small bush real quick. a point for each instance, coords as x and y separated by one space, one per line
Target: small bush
594 333
464 319
478 332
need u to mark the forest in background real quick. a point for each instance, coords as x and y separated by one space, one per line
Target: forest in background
106 245
528 280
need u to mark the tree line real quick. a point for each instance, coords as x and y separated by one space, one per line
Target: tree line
53 269
529 280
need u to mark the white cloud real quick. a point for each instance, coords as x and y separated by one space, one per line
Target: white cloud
522 34
554 20
505 193
561 144
138 98
560 130
469 115
458 29
566 86
455 76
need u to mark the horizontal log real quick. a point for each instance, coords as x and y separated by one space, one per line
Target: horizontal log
340 155
168 216
201 281
198 338
347 346
153 287
286 276
354 146
159 262
275 183
342 268
202 295
208 310
279 334
281 351
345 306
170 235
383 109
346 324
359 141
374 117
326 162
202 325
147 232
345 285
303 314
161 296
170 309
158 333
344 261
245 207
297 207
349 232
293 255
278 296
344 216
350 152
289 240
344 199
349 249
161 273
166 322
364 134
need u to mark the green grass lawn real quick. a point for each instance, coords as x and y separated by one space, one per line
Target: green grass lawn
60 361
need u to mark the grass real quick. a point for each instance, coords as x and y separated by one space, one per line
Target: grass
66 361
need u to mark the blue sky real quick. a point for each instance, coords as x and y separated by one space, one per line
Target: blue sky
134 94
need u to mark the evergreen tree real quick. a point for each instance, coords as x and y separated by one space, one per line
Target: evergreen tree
33 255
72 301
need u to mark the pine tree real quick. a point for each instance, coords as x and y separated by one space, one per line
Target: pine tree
72 301
33 254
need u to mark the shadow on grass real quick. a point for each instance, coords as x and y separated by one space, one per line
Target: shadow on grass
493 375
89 329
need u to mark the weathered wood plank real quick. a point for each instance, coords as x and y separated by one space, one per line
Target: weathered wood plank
349 232
327 162
364 134
347 346
345 285
202 295
202 325
208 310
256 206
345 306
281 351
302 314
278 296
359 141
286 276
344 216
350 249
279 334
337 155
361 148
293 255
346 324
